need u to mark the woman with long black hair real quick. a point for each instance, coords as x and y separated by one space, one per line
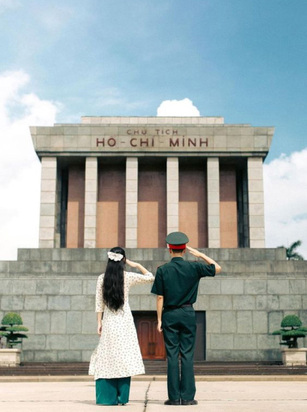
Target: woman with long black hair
117 356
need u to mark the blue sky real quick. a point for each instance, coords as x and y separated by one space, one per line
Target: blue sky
244 60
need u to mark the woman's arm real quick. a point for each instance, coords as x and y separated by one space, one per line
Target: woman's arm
99 322
99 299
137 266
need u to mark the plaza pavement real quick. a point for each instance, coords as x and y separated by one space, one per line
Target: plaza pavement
214 394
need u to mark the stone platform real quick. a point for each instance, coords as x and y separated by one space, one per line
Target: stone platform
158 368
54 291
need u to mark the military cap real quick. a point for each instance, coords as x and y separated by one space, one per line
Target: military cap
177 240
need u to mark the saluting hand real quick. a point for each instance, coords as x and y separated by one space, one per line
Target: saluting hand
206 258
132 264
137 265
193 252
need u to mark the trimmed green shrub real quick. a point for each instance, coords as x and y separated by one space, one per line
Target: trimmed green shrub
12 329
291 330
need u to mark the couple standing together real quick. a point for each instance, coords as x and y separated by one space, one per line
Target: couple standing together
117 356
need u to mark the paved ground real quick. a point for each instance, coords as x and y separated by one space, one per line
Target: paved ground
214 394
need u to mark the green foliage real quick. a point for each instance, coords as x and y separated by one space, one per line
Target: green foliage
291 321
294 333
12 329
12 318
291 251
291 330
17 329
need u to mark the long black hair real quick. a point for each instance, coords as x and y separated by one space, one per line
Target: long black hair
113 283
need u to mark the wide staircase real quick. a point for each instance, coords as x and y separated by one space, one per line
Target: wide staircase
157 368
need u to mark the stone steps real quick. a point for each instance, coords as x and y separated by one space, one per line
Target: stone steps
157 368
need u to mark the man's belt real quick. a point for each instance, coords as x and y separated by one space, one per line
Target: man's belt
186 305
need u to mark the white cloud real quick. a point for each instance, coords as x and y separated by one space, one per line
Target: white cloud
19 165
183 107
8 4
53 17
285 188
285 179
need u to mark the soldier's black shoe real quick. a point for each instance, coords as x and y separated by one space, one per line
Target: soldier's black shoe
169 402
186 403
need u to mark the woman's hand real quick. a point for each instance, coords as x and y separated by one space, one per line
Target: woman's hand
99 328
137 265
132 264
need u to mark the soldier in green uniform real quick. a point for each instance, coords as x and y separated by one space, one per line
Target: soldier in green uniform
176 286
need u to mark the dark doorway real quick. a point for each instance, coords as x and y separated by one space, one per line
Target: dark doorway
200 345
152 343
150 340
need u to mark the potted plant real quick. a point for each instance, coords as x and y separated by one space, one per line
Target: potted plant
12 330
291 330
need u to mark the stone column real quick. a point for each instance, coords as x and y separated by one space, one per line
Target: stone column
256 202
90 206
47 226
213 196
131 201
172 194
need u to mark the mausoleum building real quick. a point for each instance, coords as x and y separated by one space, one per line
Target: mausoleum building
129 181
132 180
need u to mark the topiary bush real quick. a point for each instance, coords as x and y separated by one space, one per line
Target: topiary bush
291 330
12 329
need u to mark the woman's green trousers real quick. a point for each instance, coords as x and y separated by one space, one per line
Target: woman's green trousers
112 391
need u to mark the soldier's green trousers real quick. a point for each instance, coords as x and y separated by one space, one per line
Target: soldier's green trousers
179 331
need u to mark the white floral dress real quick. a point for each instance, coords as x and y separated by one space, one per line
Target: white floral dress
118 353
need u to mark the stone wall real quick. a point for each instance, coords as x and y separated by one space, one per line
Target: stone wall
54 291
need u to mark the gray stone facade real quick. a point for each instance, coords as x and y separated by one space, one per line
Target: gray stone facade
54 291
135 138
147 135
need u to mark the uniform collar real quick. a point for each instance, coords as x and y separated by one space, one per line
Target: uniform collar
177 258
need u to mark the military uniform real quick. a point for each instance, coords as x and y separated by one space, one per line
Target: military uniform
177 281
